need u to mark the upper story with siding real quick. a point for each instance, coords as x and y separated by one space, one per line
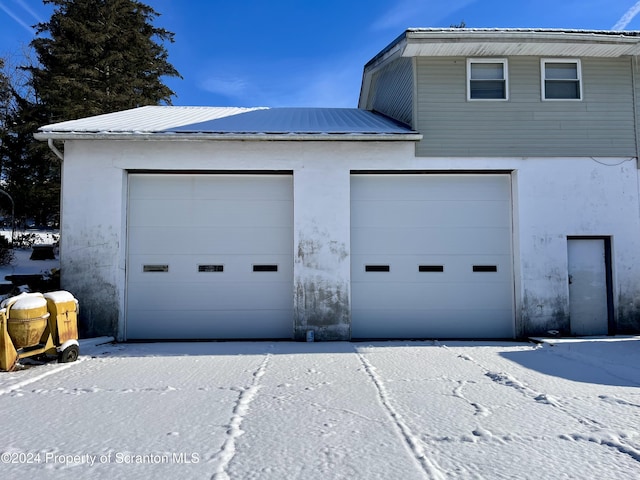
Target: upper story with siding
511 93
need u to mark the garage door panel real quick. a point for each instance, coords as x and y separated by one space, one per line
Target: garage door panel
221 296
242 240
436 323
147 240
429 187
212 245
432 240
403 214
435 295
431 256
242 213
201 240
233 187
206 324
186 213
213 186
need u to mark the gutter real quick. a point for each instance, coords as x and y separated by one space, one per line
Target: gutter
335 137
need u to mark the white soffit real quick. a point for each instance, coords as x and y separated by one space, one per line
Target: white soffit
542 43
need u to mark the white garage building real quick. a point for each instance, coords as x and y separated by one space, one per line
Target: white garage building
485 219
225 223
183 222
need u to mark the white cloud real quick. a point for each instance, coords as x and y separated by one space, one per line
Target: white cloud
29 10
294 82
413 13
336 85
228 86
627 17
17 19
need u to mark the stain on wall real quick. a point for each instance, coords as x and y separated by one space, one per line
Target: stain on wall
628 315
543 314
86 273
321 301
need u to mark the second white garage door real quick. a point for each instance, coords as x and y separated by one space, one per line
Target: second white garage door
210 257
431 256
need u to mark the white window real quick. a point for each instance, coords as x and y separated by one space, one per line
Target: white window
561 79
487 79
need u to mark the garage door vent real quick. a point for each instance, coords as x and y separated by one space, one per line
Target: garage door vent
265 268
485 268
431 268
155 268
376 268
210 268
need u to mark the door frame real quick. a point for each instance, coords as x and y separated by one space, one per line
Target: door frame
608 266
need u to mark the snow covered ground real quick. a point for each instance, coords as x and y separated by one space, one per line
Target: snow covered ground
383 410
21 264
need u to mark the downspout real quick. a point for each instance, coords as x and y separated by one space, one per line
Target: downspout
634 92
55 150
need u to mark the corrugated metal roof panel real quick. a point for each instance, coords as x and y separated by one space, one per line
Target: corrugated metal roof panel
231 120
299 120
147 119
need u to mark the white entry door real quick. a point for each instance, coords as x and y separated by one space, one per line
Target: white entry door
587 286
210 256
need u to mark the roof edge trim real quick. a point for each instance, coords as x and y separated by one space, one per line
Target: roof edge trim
136 137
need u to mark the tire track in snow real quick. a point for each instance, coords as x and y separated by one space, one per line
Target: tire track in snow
37 378
429 468
222 459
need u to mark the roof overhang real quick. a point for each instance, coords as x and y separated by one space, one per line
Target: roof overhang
519 42
165 123
150 136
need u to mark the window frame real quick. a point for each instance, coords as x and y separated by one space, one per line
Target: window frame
505 78
543 79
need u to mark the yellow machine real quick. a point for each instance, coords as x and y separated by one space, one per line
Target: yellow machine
33 324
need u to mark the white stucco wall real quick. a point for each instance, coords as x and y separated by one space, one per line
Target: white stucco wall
575 197
553 199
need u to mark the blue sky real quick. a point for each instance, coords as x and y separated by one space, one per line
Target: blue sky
309 53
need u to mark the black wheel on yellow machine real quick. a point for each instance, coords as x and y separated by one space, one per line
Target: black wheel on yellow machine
69 354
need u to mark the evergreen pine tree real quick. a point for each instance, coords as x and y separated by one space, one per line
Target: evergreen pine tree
93 57
100 56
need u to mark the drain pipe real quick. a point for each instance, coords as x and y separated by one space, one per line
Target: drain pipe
55 150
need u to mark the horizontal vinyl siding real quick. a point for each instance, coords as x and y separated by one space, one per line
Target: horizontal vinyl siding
602 124
392 91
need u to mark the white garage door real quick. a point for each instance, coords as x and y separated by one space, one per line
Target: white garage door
210 257
431 256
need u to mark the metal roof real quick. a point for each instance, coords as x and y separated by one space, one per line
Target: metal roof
300 121
147 119
232 122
